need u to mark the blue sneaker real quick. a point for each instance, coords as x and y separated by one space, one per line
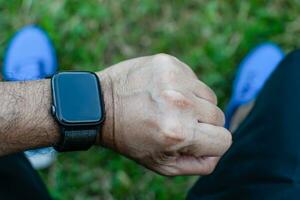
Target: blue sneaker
31 56
251 76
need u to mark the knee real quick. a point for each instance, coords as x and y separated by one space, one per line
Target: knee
294 54
288 69
292 61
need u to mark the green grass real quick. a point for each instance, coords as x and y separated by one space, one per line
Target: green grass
210 36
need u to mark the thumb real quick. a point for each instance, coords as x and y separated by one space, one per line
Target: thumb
201 154
209 140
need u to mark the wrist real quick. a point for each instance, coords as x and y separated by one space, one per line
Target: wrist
43 125
28 124
106 135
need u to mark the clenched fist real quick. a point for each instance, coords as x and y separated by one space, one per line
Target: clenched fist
159 114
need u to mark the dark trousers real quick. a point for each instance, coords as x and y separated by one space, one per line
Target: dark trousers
263 162
18 180
264 159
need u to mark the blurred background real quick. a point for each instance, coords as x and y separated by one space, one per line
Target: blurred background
210 36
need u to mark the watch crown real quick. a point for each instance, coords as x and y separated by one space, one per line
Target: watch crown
53 110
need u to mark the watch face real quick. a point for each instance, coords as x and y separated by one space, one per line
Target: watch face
77 98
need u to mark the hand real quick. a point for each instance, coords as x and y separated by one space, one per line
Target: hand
163 117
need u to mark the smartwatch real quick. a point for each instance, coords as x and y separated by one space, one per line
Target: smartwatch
77 106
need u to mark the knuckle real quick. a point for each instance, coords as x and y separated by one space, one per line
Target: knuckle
209 170
211 96
214 115
227 139
223 119
166 63
171 133
170 172
166 173
220 117
210 166
163 58
206 92
176 99
171 138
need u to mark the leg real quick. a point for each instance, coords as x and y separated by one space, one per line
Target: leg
19 180
264 160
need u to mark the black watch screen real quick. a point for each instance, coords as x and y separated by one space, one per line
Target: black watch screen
77 99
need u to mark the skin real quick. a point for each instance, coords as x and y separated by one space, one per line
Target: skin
240 114
157 113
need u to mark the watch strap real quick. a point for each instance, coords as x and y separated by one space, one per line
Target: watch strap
76 139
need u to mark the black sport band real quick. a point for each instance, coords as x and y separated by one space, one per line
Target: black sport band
76 139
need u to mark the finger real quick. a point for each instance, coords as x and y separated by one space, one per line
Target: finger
208 140
202 91
187 69
206 112
189 165
196 166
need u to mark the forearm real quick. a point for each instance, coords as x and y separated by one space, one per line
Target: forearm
25 118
